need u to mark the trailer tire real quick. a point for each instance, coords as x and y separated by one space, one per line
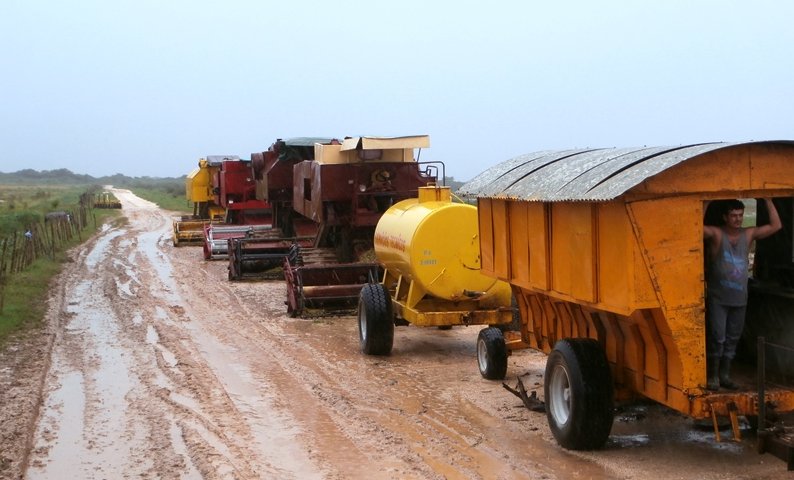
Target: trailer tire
492 353
578 394
375 320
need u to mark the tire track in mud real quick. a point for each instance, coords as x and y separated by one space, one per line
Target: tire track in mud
398 423
164 369
108 390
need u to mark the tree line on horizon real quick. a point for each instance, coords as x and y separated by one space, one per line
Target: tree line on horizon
64 176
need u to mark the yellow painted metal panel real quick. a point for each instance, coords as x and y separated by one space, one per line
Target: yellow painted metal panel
670 234
615 256
770 167
537 233
501 239
644 292
718 170
519 243
746 168
573 270
673 252
485 215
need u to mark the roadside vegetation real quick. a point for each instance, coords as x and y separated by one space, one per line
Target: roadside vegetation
23 294
166 196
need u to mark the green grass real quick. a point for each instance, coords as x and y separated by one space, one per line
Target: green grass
25 297
23 205
166 198
25 293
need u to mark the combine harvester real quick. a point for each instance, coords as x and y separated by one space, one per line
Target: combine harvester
189 230
327 197
430 250
246 216
252 257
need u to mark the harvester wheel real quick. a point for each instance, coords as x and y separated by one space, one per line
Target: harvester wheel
578 394
492 353
375 320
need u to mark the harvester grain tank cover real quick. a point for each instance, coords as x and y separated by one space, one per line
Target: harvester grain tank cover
217 160
386 143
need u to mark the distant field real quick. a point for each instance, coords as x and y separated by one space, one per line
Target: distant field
22 205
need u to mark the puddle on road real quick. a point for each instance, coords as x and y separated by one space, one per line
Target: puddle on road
151 335
124 287
148 244
60 430
153 338
178 442
88 411
100 248
654 425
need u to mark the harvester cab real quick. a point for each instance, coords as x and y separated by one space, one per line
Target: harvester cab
189 230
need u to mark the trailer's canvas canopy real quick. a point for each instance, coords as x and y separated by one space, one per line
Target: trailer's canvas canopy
585 174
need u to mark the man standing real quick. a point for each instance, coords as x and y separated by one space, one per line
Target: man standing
727 270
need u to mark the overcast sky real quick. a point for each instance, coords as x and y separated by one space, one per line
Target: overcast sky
146 87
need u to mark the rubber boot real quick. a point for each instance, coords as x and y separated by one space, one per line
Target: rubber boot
712 380
725 374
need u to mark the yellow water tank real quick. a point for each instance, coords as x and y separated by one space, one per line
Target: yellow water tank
434 243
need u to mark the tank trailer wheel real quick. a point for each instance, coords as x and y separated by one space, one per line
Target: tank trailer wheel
375 320
492 353
578 394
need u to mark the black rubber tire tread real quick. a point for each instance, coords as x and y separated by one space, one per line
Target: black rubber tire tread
493 341
375 303
591 394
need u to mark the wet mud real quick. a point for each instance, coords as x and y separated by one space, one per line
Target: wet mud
158 367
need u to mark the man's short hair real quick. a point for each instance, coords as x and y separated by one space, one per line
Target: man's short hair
733 205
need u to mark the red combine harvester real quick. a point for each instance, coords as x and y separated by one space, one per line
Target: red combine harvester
251 257
327 196
234 190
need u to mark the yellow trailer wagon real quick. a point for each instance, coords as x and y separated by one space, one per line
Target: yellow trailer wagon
604 251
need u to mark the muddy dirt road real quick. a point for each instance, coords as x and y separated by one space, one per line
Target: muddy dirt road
155 366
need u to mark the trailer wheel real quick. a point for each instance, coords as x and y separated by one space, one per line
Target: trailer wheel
492 353
375 320
578 394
